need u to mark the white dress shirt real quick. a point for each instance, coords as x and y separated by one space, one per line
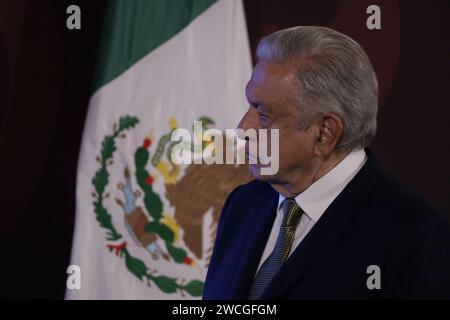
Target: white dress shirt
316 199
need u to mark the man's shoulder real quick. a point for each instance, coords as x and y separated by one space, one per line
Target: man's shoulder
394 202
252 189
392 193
246 196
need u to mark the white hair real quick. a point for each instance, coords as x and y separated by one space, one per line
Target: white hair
334 75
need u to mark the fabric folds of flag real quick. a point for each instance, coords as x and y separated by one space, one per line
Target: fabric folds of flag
145 225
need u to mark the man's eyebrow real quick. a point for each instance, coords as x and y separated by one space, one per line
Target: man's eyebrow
253 102
256 103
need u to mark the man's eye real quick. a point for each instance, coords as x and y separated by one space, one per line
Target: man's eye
264 119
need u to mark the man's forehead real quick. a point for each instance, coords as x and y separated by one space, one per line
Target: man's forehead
265 71
267 78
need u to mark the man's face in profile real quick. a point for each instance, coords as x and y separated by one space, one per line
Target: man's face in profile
271 95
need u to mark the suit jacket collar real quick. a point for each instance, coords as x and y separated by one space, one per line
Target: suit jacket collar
334 223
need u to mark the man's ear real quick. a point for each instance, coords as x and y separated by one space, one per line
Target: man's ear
330 131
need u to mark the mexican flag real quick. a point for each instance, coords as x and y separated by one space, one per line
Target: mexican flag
145 226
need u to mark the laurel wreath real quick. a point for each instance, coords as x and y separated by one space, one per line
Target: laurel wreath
153 205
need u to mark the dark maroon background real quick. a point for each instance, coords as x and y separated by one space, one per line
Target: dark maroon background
45 73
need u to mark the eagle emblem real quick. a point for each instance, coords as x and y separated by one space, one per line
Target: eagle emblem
169 225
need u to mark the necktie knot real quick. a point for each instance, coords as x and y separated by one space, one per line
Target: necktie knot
291 212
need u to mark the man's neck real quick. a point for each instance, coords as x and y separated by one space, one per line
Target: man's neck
295 186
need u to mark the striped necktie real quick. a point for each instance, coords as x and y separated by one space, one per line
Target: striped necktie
270 267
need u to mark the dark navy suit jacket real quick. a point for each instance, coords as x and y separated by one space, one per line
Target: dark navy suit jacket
374 221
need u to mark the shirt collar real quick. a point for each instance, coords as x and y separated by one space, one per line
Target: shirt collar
318 196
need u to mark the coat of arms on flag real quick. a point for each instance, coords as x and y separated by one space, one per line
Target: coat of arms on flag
171 236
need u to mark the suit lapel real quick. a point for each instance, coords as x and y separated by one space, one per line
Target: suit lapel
333 224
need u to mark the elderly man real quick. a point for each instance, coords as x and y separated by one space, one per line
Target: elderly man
330 224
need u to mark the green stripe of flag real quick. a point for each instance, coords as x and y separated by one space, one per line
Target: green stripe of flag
133 28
